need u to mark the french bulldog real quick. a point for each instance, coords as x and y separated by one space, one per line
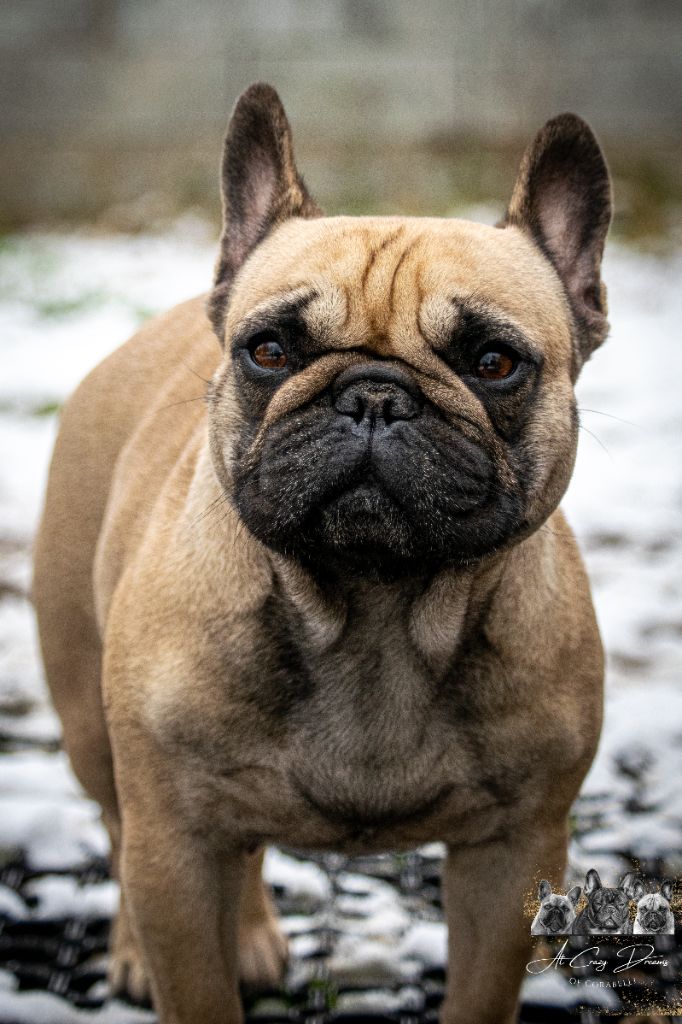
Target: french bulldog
608 910
654 916
332 602
557 912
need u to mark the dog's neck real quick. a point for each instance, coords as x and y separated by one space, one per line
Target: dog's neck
430 613
435 611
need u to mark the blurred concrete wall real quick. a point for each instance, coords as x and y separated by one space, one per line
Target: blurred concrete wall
125 101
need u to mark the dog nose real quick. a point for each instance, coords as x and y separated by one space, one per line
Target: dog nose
373 394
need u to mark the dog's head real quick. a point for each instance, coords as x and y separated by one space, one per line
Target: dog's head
557 912
653 908
608 910
397 393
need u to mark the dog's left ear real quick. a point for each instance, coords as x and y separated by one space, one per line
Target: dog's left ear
260 186
574 894
667 889
562 198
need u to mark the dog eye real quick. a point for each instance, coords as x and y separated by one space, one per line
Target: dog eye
267 353
495 364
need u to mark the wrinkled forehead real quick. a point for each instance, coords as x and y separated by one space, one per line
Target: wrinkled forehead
652 901
609 894
395 284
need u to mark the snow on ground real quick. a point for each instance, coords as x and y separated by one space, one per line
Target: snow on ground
66 300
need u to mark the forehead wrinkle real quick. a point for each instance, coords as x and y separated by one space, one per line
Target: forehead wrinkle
328 317
373 292
437 319
375 253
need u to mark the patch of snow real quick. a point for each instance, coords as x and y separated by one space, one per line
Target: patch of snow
25 449
407 999
299 879
67 300
53 834
369 961
44 812
11 904
426 941
60 896
20 673
45 1008
370 906
40 774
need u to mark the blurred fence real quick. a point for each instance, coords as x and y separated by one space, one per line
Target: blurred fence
122 103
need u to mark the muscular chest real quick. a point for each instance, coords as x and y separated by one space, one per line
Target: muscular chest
360 746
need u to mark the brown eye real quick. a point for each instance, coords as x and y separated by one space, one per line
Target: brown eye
494 365
269 355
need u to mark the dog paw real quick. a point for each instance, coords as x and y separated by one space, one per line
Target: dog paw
127 972
263 954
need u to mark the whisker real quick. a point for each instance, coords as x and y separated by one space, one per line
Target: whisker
241 526
196 374
610 415
212 507
561 534
598 440
183 401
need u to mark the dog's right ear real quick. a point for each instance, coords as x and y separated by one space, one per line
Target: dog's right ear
630 884
592 881
260 185
637 889
544 889
574 894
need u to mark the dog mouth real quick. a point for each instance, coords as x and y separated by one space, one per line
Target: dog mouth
423 496
555 923
610 923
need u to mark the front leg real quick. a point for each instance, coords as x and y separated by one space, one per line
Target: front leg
184 897
489 935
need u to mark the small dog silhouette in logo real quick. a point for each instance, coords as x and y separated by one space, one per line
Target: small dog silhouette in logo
654 916
608 910
557 912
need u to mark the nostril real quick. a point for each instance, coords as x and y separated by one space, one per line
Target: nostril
351 403
399 405
358 412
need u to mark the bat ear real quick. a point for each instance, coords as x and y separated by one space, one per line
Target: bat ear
629 884
592 881
638 889
260 186
544 889
574 894
562 199
667 889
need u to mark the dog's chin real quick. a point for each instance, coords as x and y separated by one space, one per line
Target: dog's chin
364 531
610 924
556 926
